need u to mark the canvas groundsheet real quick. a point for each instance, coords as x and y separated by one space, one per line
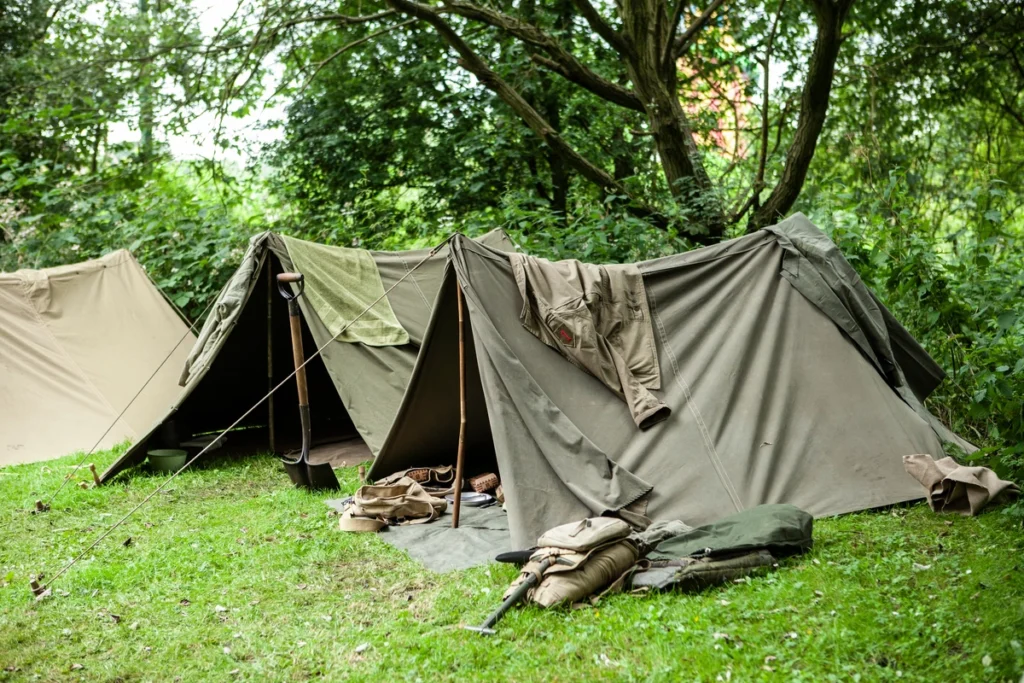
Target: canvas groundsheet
481 536
771 399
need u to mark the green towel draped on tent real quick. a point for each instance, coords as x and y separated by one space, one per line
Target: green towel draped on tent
340 284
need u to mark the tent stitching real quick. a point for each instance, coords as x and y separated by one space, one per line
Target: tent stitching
701 426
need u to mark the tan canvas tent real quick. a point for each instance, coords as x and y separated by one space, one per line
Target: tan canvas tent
357 384
786 380
77 343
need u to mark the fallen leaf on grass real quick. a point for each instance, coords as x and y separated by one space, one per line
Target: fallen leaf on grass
220 608
76 667
363 647
185 602
921 567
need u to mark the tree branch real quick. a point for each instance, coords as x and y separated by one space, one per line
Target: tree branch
472 62
673 27
343 19
355 43
686 39
602 27
562 62
762 156
606 90
829 17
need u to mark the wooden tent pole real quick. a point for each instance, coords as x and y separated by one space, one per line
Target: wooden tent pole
462 411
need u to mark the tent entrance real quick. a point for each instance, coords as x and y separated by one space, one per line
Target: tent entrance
426 431
255 357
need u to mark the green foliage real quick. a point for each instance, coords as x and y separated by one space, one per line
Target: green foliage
189 234
960 291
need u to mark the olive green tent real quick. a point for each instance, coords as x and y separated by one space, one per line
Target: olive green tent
244 350
89 355
788 382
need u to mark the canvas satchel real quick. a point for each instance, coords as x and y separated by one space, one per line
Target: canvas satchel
585 535
404 502
576 576
438 479
588 556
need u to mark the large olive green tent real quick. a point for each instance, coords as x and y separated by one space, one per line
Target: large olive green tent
355 387
89 355
788 382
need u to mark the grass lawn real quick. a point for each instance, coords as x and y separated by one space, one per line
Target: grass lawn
234 575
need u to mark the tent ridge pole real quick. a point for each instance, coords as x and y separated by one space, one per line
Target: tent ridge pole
460 457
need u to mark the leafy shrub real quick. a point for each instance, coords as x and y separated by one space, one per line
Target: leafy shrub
960 291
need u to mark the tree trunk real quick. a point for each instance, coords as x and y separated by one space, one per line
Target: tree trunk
645 27
829 16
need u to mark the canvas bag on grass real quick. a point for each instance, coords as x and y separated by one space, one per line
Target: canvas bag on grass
697 573
404 502
587 557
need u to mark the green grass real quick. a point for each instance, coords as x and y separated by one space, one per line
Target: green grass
234 575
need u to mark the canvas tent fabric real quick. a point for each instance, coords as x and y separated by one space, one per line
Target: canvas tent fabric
77 343
244 350
763 343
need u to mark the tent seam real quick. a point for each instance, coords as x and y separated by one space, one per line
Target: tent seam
415 282
690 403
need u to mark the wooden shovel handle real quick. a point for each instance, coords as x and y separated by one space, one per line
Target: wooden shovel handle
289 277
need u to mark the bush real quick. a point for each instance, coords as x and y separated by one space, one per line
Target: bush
960 290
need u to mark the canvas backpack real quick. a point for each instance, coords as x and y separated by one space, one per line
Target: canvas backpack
404 502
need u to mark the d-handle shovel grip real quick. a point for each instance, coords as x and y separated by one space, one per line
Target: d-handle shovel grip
285 279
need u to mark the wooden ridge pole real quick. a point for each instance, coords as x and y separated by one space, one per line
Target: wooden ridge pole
461 456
